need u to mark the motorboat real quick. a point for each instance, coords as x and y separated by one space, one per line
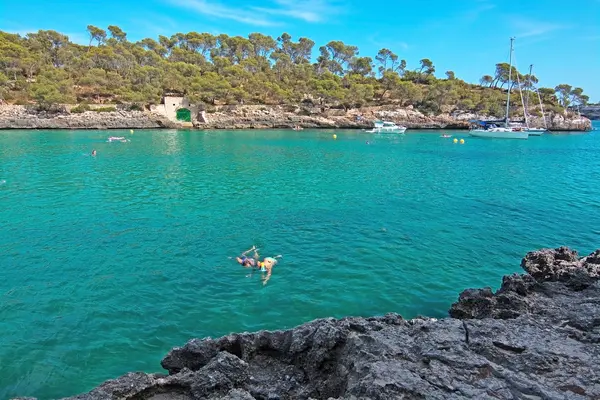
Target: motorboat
386 127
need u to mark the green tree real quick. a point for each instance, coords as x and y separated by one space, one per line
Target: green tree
340 55
563 93
52 87
361 66
117 33
96 34
427 69
577 98
486 81
263 45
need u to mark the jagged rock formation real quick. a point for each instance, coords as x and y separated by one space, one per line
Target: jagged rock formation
537 337
258 117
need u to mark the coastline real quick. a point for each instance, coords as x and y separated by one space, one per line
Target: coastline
259 117
536 337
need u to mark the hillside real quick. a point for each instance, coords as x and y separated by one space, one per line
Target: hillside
45 68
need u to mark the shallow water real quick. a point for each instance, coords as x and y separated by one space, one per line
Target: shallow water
107 262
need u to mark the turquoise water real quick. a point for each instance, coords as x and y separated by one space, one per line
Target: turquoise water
108 262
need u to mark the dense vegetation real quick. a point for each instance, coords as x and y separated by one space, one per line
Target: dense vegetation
46 68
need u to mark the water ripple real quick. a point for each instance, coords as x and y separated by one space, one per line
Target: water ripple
109 261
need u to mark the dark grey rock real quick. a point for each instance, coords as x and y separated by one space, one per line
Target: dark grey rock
537 337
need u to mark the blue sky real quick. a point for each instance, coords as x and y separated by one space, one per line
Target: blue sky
561 38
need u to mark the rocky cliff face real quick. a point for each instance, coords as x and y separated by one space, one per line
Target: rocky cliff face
257 117
19 117
537 337
246 117
591 112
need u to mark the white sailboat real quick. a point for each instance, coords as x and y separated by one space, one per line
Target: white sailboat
518 126
499 132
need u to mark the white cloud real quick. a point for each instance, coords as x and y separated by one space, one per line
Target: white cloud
480 7
525 27
308 10
214 9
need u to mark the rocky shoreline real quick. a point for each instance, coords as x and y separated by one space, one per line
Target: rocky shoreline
258 117
537 337
261 117
591 111
21 117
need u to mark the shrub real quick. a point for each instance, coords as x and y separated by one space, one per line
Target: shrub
105 109
136 107
83 107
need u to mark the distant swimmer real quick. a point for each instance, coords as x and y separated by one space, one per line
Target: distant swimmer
94 153
248 262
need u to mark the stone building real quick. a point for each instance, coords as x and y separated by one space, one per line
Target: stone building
177 108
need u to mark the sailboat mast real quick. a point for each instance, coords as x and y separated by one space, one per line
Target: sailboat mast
509 76
542 108
522 101
540 99
528 88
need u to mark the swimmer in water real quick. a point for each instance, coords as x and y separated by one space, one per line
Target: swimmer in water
248 262
267 265
94 153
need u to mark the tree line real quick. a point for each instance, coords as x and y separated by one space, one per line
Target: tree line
45 67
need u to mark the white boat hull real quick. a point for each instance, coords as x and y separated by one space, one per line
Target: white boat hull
535 131
498 133
387 131
387 127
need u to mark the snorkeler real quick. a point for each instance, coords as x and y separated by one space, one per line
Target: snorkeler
248 262
267 265
94 153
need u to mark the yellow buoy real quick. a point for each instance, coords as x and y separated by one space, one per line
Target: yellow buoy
462 141
131 131
455 140
334 136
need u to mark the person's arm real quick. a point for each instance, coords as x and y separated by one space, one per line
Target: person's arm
249 250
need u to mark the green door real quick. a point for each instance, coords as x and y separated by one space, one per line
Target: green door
183 114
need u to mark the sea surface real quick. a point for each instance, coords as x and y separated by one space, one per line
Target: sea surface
107 262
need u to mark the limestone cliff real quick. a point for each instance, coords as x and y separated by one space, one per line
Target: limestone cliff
257 117
21 117
537 337
245 117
